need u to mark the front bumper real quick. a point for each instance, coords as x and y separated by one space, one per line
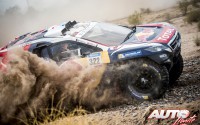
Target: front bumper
169 58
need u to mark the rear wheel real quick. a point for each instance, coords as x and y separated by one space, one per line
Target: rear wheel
146 80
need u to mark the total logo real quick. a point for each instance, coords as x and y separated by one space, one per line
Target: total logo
181 115
167 34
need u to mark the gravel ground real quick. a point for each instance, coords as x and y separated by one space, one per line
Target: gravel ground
186 89
185 94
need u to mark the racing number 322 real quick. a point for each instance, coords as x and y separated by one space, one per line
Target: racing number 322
95 60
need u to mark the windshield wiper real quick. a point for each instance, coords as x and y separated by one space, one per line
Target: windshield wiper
130 34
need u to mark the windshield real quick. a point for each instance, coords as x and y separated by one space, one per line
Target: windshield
107 34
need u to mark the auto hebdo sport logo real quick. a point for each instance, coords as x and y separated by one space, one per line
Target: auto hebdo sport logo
182 116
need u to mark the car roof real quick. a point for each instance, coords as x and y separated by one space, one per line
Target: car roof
54 33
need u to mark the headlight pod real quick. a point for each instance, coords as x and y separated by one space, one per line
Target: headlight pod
157 48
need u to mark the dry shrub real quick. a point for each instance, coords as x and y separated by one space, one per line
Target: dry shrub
195 3
145 10
135 18
183 6
193 16
168 17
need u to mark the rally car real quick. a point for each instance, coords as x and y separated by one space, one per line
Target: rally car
151 51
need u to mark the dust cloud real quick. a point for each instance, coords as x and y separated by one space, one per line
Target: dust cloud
29 83
23 16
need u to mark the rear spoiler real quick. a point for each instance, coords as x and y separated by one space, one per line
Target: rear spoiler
151 25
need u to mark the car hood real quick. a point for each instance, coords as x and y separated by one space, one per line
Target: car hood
149 33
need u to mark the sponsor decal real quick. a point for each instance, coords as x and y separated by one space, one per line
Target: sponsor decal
166 35
163 56
182 116
130 54
94 55
94 59
120 56
145 97
146 33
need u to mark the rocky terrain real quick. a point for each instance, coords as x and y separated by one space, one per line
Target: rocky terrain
185 94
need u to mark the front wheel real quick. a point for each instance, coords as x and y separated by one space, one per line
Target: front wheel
176 70
145 79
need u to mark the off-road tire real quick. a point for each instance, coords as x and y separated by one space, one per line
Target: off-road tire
156 76
176 70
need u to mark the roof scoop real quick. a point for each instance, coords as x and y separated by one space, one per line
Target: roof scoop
59 30
68 26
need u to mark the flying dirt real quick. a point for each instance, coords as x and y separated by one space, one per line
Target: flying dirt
29 83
